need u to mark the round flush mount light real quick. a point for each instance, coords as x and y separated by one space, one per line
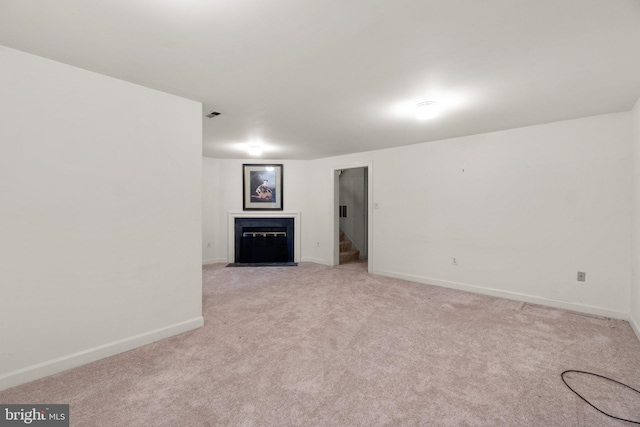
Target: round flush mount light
427 110
254 150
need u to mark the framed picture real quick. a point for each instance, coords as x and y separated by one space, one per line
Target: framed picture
262 187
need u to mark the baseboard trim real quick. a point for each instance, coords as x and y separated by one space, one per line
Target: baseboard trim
315 260
214 261
635 326
44 369
582 308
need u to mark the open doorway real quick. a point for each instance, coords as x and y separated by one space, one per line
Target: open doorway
352 222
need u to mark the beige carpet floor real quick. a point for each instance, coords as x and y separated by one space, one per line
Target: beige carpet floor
334 346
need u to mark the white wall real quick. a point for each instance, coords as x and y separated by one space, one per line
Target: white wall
521 210
212 234
100 216
635 254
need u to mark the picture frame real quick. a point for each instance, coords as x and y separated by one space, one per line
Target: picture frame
262 187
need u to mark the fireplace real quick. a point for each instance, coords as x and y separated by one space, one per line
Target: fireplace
264 241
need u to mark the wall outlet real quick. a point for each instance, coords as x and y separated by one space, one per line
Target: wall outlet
209 244
454 261
318 244
582 276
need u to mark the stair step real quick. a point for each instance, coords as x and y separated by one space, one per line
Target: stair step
345 245
349 256
341 236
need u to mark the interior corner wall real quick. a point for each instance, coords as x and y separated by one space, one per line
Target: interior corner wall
634 318
100 216
521 211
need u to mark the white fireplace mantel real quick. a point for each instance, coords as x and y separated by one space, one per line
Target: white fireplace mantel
231 220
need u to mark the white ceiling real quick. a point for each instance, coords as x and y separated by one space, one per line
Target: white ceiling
318 78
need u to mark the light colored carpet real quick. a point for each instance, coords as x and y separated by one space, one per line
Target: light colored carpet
334 346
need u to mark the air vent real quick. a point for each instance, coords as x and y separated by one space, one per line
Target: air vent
213 114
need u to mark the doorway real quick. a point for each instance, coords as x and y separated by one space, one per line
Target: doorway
352 212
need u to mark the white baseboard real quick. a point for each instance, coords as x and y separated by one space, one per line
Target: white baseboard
582 308
214 261
314 260
635 325
44 369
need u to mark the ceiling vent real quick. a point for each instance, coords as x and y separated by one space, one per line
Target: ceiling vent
213 114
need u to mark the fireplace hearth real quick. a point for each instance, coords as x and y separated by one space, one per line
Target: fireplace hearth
264 242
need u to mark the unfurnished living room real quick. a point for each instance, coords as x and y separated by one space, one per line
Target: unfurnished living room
320 213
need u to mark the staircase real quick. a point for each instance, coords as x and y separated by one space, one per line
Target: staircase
346 253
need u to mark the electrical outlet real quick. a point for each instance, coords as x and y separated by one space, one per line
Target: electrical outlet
318 244
454 261
582 276
209 244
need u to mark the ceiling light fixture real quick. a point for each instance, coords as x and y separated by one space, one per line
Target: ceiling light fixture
427 110
254 150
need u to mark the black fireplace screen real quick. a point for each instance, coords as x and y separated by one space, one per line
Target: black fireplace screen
263 240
